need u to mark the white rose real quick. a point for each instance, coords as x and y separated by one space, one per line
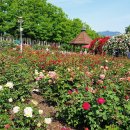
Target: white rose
36 90
47 120
40 112
28 112
39 124
47 49
16 109
9 84
1 88
41 75
14 48
106 61
22 99
43 71
10 100
36 72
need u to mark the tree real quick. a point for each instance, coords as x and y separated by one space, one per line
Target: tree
127 29
42 21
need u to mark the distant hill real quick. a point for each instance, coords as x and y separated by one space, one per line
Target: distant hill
109 33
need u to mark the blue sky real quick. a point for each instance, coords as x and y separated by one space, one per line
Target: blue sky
101 15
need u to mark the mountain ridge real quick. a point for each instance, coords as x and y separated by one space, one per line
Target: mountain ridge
109 33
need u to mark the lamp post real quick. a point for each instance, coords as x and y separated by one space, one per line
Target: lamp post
20 21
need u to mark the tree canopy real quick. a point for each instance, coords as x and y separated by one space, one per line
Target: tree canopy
42 21
127 29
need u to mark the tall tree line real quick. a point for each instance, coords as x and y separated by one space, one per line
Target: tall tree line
42 21
127 29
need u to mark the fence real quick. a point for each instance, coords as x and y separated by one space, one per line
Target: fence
27 41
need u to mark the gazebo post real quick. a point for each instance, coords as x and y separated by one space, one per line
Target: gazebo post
74 48
80 47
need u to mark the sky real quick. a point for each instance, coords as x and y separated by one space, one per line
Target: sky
100 15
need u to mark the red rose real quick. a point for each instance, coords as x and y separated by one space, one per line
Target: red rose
86 88
7 126
86 129
127 97
86 106
69 92
104 87
101 100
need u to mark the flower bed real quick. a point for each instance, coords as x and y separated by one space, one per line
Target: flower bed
16 84
89 92
94 97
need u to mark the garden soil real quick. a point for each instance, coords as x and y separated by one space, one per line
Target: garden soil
49 111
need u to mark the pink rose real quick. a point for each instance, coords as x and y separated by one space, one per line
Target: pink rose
106 67
75 90
7 126
101 100
102 76
88 74
52 74
128 79
37 78
99 82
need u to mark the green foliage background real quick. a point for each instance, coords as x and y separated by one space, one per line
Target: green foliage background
42 21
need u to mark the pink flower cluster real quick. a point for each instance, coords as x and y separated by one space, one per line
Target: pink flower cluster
52 74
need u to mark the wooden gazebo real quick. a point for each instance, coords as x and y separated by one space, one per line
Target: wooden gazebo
81 39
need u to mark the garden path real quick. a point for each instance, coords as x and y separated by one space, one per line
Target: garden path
49 111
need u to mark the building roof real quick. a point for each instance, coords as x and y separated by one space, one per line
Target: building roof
81 39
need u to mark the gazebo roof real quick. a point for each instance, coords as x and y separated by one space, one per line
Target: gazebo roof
81 39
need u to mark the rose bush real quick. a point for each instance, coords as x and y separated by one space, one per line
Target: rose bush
17 116
119 43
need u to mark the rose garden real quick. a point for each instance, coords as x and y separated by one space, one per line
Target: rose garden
88 91
53 79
